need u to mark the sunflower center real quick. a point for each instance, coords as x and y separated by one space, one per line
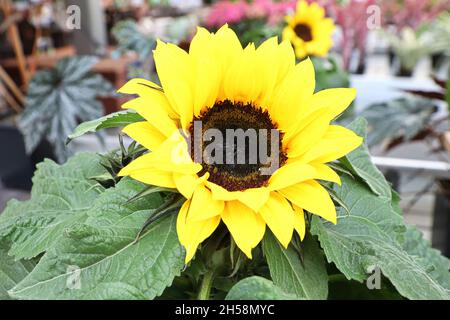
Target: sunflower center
237 144
304 32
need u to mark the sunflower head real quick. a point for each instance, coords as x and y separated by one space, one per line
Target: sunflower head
309 31
240 133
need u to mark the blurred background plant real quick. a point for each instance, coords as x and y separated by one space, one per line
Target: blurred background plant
351 16
254 21
411 31
411 13
132 40
410 47
58 99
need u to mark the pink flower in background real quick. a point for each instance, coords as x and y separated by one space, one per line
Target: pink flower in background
226 12
352 19
276 11
412 13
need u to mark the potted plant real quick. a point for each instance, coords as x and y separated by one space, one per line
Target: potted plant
57 99
102 227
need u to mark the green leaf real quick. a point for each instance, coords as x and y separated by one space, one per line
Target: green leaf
60 97
416 245
131 38
403 118
359 163
114 120
11 272
257 288
370 235
305 278
329 74
60 197
99 259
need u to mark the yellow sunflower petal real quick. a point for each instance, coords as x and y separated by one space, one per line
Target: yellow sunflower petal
335 100
291 174
153 114
186 183
146 134
292 95
309 136
153 176
286 57
253 198
325 173
269 68
310 120
312 197
279 216
192 233
316 11
171 156
229 45
299 222
336 143
237 87
203 206
153 94
246 227
228 48
175 73
208 71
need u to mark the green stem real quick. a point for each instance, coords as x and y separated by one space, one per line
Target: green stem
205 289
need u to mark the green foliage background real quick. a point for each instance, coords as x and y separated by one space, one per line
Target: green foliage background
74 231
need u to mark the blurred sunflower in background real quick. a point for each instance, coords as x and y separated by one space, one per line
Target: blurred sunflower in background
309 31
225 86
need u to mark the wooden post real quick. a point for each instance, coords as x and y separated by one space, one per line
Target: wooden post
11 85
14 38
9 99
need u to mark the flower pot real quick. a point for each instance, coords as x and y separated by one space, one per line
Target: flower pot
403 72
16 167
392 57
437 60
441 221
361 68
397 67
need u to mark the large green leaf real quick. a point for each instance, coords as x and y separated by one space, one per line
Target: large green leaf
114 120
11 272
60 197
130 38
416 245
402 118
370 235
99 259
359 163
58 98
305 277
257 288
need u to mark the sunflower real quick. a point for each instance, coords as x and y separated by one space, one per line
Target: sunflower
223 86
309 31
